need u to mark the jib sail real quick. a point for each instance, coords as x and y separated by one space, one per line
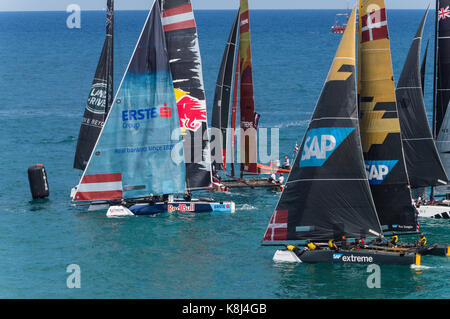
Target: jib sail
222 96
186 66
422 159
327 194
100 97
135 155
380 126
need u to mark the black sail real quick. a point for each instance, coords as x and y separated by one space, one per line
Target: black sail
421 156
222 97
185 62
327 193
100 97
423 69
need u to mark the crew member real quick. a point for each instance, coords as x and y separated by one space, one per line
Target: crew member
281 179
332 245
312 246
272 178
394 240
422 241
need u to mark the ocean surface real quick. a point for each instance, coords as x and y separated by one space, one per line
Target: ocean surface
46 70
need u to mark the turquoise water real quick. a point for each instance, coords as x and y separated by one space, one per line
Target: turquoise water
46 71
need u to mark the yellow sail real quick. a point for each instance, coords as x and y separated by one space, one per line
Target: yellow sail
379 122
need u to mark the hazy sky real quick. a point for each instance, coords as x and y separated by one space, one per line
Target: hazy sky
61 5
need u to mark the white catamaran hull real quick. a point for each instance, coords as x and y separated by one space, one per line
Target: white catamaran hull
434 211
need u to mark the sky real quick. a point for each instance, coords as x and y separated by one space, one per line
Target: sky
61 5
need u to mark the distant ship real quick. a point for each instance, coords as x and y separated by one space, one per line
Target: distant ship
338 27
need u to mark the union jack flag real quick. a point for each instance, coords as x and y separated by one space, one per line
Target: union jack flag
444 13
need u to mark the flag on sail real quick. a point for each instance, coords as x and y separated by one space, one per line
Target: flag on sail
380 126
137 152
100 97
327 194
186 66
422 159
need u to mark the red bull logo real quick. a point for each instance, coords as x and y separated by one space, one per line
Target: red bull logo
181 208
191 111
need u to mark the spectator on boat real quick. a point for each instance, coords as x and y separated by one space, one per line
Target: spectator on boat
286 164
422 241
332 245
281 179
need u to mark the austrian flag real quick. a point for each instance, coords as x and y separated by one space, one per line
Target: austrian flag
178 18
374 26
99 187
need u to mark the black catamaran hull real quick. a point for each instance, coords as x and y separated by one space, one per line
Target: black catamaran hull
347 257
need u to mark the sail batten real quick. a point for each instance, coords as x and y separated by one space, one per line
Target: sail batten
380 125
422 159
327 194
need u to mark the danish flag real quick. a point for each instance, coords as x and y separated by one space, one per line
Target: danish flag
178 18
99 187
277 229
374 26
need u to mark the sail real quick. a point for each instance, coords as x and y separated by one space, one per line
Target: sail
327 194
422 159
423 68
135 155
186 65
441 95
380 126
222 95
247 103
100 97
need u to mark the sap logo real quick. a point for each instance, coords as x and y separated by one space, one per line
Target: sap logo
378 170
320 143
337 256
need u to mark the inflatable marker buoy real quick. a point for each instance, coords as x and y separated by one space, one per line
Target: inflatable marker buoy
38 181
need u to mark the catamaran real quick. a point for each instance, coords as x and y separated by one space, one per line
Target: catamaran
349 182
138 163
238 49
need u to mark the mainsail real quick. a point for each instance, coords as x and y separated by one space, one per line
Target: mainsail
135 155
327 194
380 126
186 66
441 96
222 96
100 97
249 119
422 159
423 68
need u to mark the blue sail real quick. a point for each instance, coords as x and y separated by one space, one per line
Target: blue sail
139 151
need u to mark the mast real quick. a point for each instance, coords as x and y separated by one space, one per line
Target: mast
327 194
186 65
222 96
380 126
100 97
247 103
133 154
422 159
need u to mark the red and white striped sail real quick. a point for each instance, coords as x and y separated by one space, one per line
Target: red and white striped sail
178 18
100 187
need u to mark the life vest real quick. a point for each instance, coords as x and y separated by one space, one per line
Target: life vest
311 246
394 239
423 241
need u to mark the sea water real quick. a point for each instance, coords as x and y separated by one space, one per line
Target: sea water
46 71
